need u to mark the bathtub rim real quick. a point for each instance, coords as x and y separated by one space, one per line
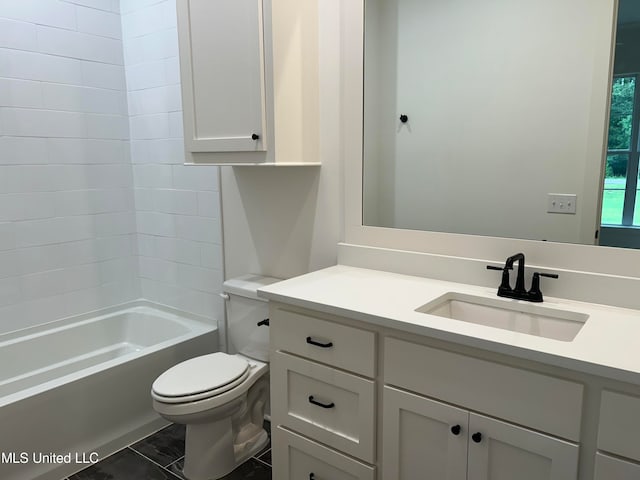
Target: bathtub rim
197 326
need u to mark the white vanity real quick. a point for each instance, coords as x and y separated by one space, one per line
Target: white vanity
366 385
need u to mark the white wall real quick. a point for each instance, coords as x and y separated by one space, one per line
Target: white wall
67 219
287 221
498 116
178 207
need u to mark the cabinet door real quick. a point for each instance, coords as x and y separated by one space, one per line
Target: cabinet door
418 438
609 468
503 452
222 73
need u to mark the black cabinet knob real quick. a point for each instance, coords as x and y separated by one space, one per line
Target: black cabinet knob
312 476
476 437
255 136
404 118
456 429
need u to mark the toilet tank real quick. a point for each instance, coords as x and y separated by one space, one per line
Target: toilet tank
244 311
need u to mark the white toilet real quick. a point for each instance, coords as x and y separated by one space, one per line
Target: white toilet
221 397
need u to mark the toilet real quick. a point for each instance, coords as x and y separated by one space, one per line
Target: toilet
221 397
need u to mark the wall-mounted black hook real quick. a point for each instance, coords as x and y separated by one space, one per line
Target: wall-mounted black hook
404 118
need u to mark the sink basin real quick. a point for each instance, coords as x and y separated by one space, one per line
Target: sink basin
531 319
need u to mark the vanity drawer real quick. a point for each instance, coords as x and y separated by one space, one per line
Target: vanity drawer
329 405
619 428
337 345
301 458
531 399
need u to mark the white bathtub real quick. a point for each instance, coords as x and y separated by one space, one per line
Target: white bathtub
81 385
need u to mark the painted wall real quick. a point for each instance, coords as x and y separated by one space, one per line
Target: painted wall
67 220
177 207
287 221
498 118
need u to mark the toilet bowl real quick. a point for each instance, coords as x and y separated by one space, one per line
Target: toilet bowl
221 397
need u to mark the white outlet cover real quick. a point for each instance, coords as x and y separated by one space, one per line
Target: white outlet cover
561 203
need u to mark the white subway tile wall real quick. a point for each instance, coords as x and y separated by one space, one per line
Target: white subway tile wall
177 207
96 206
67 212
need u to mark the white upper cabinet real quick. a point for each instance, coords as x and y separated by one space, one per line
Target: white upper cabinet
222 70
243 66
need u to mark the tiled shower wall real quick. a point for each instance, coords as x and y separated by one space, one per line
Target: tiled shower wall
67 219
73 237
178 207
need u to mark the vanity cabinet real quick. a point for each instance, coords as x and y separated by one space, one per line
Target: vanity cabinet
429 439
425 413
243 65
618 434
469 445
323 397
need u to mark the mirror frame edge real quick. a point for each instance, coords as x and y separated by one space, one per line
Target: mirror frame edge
586 258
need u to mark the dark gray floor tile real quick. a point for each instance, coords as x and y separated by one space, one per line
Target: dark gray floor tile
163 447
267 427
265 457
176 467
124 465
251 469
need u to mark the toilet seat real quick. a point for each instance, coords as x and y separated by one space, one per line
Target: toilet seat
199 378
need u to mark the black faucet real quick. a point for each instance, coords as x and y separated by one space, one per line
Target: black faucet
520 292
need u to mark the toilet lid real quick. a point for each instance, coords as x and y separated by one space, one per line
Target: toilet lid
200 375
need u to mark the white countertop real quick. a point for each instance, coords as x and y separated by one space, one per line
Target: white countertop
607 345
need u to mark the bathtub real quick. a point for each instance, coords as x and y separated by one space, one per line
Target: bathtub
75 390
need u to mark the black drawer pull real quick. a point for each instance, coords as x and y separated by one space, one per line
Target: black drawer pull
320 404
263 322
311 341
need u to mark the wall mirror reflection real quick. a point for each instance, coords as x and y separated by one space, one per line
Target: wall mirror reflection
489 118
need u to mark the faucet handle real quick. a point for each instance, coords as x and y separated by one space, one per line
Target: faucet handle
504 287
548 275
535 294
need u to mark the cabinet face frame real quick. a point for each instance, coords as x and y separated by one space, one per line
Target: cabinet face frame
224 143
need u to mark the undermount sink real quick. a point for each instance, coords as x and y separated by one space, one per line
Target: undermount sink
520 317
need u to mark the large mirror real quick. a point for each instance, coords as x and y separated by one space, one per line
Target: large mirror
489 118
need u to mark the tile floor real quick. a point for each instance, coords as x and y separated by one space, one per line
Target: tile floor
160 457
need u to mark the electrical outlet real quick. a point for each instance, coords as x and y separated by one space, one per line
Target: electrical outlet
561 203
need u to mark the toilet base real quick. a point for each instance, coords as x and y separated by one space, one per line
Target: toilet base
207 460
215 448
